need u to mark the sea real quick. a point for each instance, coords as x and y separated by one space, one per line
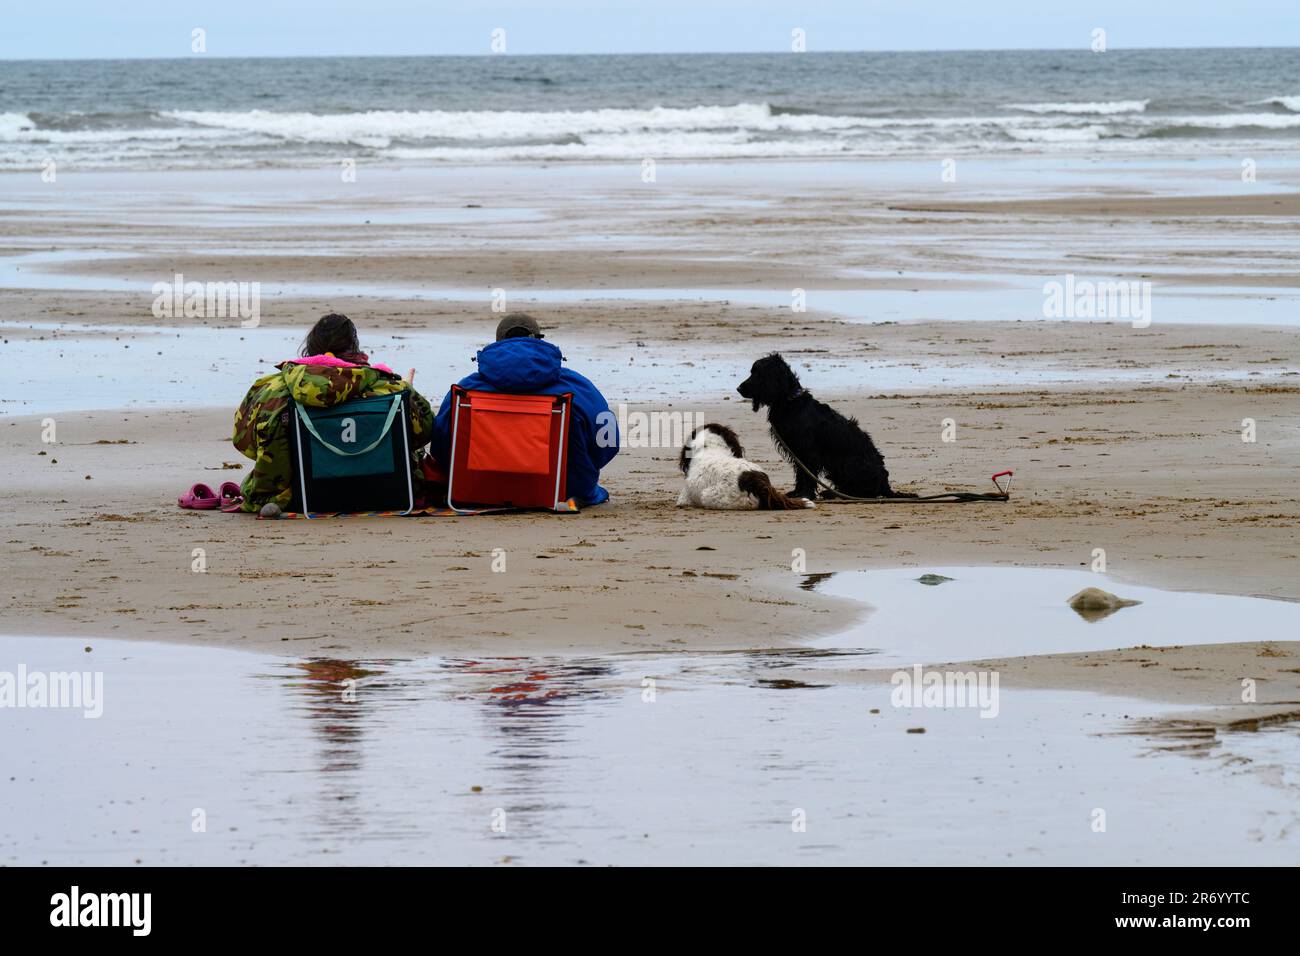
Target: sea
203 112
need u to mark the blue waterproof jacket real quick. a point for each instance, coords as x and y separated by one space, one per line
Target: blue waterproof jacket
528 366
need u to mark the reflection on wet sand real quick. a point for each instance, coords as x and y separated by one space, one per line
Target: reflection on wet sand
409 761
332 699
531 708
338 718
527 705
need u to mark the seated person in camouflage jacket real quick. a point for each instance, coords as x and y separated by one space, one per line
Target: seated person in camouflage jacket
332 370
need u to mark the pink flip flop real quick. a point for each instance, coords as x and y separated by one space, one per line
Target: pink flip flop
232 497
199 498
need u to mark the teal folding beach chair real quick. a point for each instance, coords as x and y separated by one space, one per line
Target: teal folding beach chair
353 457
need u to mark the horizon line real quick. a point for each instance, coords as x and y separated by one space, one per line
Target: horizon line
471 56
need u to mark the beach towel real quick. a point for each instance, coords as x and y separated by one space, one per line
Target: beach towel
434 511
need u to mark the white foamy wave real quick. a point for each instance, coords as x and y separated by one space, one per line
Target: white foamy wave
12 125
379 128
182 139
1235 121
83 137
1098 109
1291 103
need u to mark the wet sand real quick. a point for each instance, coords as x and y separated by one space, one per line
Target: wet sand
1157 475
730 226
1143 207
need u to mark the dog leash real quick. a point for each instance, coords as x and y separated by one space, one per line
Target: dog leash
952 497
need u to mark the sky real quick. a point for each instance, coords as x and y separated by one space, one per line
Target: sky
163 28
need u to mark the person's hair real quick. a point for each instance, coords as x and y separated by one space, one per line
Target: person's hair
332 333
518 332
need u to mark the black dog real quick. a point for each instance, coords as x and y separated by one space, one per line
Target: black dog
808 431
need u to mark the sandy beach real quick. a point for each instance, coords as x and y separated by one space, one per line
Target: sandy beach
1122 438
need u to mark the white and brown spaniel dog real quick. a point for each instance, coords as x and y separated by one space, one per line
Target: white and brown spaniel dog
719 477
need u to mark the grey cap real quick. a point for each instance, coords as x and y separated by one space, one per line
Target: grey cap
518 323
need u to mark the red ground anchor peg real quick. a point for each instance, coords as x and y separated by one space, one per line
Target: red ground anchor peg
1003 489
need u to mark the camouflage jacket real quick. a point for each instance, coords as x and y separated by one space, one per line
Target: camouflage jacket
262 423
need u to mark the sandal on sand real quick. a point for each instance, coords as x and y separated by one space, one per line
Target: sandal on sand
232 497
199 498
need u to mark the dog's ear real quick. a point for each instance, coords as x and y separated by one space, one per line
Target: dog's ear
732 440
684 462
727 435
787 376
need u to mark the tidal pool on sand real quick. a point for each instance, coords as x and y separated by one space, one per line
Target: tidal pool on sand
210 756
983 613
67 366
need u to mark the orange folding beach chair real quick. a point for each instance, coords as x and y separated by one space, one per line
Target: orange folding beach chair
508 450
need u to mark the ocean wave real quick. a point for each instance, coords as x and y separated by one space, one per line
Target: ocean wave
1235 121
182 138
12 124
1289 103
1098 109
25 130
1050 134
379 128
77 120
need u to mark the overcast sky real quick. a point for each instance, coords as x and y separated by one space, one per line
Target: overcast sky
162 28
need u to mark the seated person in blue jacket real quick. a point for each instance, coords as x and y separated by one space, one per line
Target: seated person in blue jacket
522 362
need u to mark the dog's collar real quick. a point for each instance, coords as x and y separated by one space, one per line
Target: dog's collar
799 394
